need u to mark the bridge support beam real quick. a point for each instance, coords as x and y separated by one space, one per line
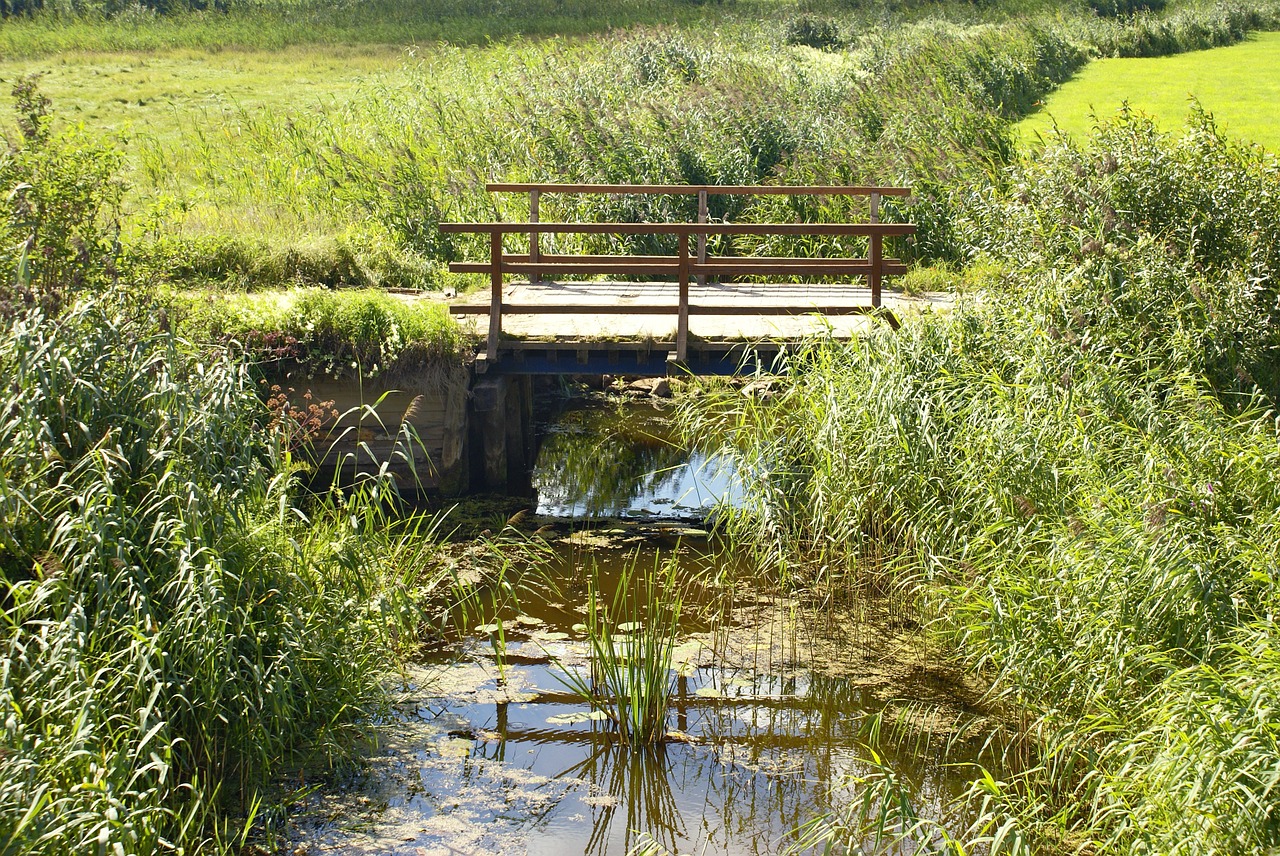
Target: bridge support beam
502 428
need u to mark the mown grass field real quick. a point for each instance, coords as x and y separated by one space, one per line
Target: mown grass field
1239 85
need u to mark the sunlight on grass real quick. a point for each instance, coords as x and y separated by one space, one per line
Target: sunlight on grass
1239 85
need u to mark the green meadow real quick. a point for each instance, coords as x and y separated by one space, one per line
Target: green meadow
1238 85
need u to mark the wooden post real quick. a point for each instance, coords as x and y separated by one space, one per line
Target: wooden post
682 322
495 295
877 263
455 468
489 402
535 239
702 239
876 253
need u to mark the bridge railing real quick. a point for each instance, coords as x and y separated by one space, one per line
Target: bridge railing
687 264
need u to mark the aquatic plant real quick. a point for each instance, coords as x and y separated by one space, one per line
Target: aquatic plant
631 638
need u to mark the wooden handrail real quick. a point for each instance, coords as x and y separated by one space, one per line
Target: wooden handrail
686 229
786 267
693 189
684 265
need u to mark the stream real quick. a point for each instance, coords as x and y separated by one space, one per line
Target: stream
488 750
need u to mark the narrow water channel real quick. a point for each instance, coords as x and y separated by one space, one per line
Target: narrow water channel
489 750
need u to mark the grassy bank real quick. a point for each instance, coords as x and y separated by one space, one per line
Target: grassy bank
1237 84
177 635
272 26
354 332
1073 478
180 631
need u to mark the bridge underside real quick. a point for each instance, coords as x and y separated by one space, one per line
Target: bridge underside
645 359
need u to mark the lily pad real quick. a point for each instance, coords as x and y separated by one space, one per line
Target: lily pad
576 717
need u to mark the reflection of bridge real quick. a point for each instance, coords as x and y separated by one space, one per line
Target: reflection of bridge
687 312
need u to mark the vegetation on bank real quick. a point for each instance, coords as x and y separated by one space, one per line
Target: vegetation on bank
179 630
177 634
352 332
1074 477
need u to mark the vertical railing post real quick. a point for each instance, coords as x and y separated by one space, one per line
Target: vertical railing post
535 238
682 322
877 262
702 238
876 253
495 294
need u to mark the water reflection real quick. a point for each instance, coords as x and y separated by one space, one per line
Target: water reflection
510 761
623 461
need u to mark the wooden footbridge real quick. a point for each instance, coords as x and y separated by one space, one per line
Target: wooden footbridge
687 312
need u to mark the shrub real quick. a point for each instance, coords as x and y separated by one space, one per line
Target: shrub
820 33
59 192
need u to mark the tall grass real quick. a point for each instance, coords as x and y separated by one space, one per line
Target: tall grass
177 634
1074 477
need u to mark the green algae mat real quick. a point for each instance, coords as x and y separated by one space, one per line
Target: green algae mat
1239 85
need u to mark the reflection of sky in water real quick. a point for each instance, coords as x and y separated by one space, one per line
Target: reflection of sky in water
689 489
607 462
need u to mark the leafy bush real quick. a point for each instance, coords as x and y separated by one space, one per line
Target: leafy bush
1166 243
820 33
59 192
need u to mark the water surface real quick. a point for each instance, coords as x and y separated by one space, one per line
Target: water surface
487 750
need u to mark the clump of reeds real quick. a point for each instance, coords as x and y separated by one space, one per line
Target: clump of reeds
177 633
632 637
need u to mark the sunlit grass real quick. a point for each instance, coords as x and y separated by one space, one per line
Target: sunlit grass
1076 476
1239 85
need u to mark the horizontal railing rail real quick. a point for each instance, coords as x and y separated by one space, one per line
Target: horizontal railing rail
695 189
864 229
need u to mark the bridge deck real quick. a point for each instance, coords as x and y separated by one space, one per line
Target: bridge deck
585 311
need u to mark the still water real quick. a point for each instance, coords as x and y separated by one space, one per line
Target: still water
488 751
622 461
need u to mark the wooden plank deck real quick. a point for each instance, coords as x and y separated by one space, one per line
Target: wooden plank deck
586 311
